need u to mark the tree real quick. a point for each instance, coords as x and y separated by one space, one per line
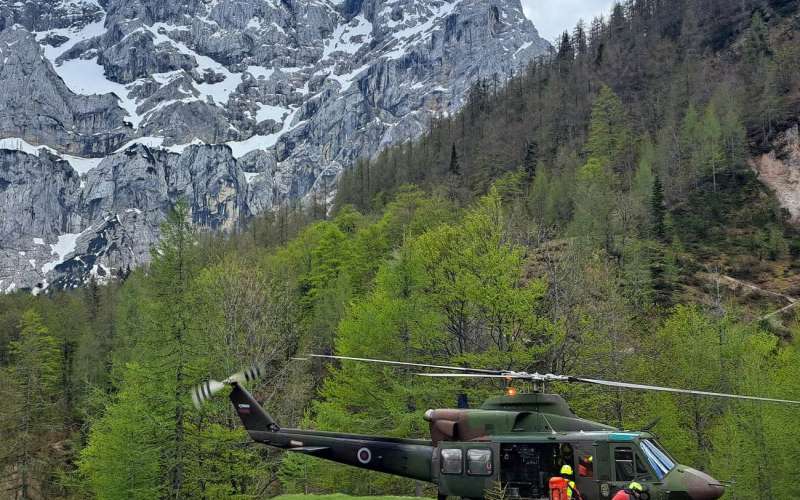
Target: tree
641 193
566 51
30 413
756 45
529 163
690 156
609 140
658 211
455 292
579 40
172 270
125 451
594 207
712 148
454 168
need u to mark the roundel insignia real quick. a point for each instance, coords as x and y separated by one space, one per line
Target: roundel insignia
364 455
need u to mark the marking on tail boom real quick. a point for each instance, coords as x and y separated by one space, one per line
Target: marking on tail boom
364 455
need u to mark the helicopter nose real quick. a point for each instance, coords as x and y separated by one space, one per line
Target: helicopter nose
701 486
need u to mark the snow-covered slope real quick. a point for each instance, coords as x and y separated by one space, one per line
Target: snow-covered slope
286 92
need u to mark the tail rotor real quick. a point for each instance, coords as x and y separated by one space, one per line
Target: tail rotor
206 390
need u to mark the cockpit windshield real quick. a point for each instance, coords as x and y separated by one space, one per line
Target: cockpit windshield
658 458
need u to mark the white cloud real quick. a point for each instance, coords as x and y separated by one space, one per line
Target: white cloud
552 17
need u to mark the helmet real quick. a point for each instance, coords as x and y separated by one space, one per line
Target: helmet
634 486
566 470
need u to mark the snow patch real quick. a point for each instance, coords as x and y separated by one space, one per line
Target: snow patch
85 76
149 141
62 248
17 144
75 36
241 148
79 164
82 165
521 48
348 38
269 112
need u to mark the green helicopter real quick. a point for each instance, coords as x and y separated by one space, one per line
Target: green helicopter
517 440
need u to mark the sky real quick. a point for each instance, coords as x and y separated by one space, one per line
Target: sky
552 17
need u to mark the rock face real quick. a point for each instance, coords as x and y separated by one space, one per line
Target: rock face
236 105
780 171
37 107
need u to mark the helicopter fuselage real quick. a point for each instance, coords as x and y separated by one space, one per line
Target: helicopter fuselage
517 442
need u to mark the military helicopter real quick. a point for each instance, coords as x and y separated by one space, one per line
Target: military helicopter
518 440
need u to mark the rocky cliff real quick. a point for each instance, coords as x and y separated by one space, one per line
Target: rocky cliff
117 108
779 170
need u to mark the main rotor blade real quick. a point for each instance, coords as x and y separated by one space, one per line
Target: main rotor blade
471 375
403 363
533 377
644 387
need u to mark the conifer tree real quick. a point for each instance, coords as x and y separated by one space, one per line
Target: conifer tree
30 411
531 160
454 167
609 135
172 270
579 41
594 207
658 210
124 457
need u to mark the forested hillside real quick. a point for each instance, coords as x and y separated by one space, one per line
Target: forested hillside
595 216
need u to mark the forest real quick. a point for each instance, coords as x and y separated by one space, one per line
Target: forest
586 217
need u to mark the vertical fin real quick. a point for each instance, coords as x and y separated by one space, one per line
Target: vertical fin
254 417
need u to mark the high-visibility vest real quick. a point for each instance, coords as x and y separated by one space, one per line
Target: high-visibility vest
558 488
571 489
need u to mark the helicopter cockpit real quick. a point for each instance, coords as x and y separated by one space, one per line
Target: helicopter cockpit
603 463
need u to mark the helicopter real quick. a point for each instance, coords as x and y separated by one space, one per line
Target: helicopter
519 441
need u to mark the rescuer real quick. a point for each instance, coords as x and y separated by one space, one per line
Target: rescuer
563 487
586 466
632 492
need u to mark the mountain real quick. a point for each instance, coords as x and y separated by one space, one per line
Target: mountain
113 110
624 209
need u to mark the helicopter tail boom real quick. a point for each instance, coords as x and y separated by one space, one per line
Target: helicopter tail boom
403 457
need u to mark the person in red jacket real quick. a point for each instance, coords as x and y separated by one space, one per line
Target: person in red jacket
632 492
563 487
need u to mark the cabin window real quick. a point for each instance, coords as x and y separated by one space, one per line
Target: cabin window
628 465
623 463
452 460
479 462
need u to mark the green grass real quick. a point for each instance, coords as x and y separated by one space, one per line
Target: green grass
339 496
